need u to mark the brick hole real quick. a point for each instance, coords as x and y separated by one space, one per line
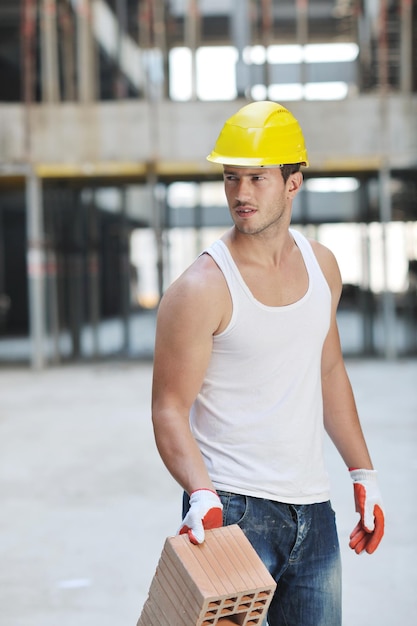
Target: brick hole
264 594
213 604
226 610
231 600
259 603
242 607
248 597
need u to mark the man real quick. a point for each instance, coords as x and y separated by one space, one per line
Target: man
248 369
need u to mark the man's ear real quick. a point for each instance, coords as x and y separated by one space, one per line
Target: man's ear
295 182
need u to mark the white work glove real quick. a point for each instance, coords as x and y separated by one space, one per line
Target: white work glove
205 512
369 531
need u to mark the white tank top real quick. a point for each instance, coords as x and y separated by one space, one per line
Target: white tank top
258 418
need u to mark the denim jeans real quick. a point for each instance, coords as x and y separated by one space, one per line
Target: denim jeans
299 546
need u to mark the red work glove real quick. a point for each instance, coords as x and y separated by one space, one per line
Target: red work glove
205 512
370 529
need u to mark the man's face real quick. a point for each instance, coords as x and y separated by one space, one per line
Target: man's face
258 197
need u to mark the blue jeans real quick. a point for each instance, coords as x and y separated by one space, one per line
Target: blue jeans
299 546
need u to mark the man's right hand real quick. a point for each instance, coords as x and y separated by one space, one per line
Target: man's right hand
205 512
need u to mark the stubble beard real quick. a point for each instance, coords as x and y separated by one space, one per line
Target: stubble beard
268 227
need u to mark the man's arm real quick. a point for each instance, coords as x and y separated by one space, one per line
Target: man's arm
189 314
341 418
193 309
342 422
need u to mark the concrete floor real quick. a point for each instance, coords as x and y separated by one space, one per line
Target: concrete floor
86 503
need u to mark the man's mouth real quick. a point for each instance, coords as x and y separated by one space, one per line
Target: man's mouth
244 210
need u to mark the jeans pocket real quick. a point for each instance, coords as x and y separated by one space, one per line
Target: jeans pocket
235 507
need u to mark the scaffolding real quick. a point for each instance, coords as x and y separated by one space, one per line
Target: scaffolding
81 57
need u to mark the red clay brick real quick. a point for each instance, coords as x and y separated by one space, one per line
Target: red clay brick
221 582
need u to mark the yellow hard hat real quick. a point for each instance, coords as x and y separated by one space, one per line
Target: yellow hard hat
260 134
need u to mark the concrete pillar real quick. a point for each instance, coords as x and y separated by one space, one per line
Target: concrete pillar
51 286
388 302
121 84
93 272
124 249
192 40
241 37
76 275
68 53
86 54
406 46
367 297
36 269
302 35
49 52
267 30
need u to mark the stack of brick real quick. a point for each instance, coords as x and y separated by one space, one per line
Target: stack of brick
222 581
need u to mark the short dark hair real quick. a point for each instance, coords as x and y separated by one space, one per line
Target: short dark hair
288 169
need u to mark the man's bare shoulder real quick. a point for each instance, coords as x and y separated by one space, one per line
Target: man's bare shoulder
199 279
321 251
200 293
328 264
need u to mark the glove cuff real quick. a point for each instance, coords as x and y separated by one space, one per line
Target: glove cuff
359 475
204 489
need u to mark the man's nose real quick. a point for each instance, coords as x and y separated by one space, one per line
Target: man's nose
243 190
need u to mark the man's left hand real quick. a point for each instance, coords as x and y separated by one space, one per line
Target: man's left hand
369 531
